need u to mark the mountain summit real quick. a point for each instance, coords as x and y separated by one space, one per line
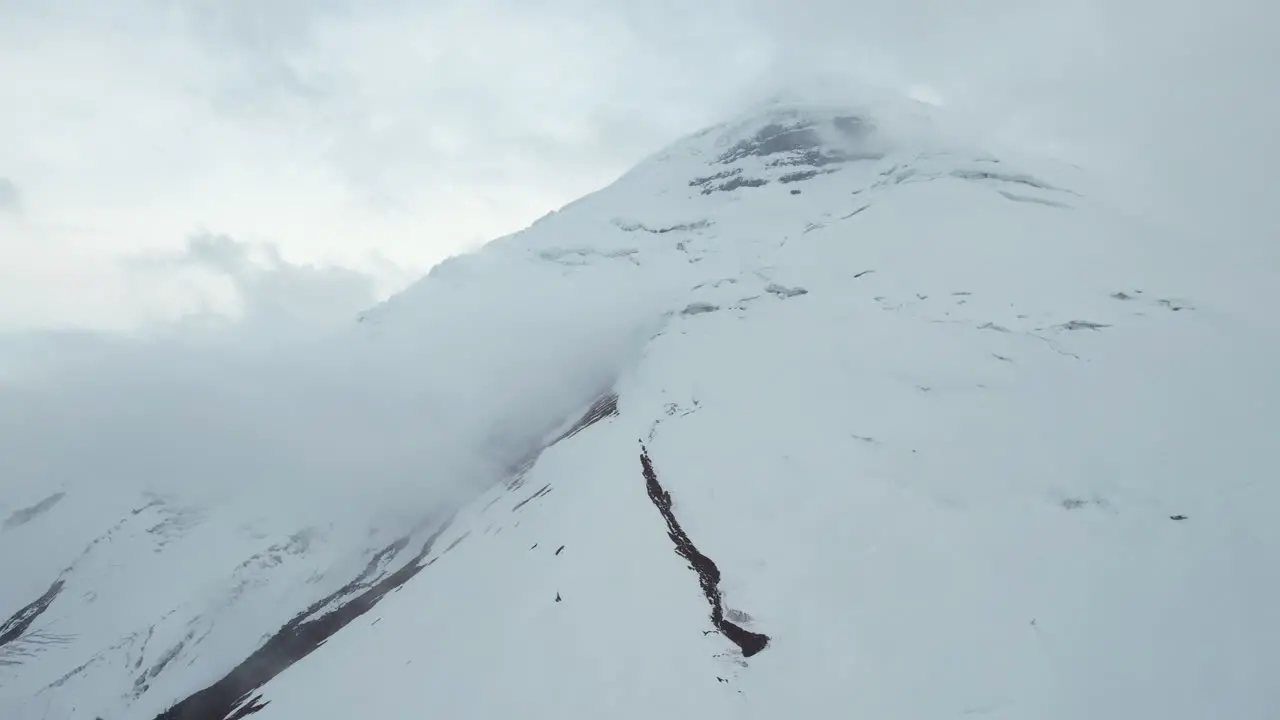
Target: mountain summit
843 421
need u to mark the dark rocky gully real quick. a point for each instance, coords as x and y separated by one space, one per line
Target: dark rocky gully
751 643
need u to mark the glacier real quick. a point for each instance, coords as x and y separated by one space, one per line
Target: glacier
815 412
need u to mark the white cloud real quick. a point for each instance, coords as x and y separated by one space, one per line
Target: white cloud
348 145
262 294
10 200
338 129
282 408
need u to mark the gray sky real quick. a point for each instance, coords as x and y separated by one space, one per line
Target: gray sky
383 135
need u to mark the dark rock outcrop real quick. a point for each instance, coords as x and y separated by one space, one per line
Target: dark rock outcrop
16 626
750 643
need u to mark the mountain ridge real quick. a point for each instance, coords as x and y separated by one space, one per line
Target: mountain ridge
919 418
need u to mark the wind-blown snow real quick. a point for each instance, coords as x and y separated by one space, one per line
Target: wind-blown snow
959 439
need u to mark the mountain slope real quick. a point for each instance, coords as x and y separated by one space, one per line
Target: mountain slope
916 432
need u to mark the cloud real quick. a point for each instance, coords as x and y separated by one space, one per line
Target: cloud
276 406
10 200
337 129
263 295
234 298
198 402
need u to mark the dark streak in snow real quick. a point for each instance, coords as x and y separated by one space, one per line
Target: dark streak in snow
15 626
605 406
228 698
1082 325
545 489
708 574
456 541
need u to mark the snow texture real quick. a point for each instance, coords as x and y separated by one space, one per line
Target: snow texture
808 415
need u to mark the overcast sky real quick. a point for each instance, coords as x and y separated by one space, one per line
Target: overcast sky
383 135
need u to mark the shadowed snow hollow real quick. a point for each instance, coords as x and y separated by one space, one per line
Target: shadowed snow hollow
810 414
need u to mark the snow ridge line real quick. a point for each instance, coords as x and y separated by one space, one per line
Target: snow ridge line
708 574
606 406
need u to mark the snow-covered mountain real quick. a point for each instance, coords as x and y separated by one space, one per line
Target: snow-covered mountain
860 424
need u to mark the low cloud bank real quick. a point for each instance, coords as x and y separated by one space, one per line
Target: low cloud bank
310 414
